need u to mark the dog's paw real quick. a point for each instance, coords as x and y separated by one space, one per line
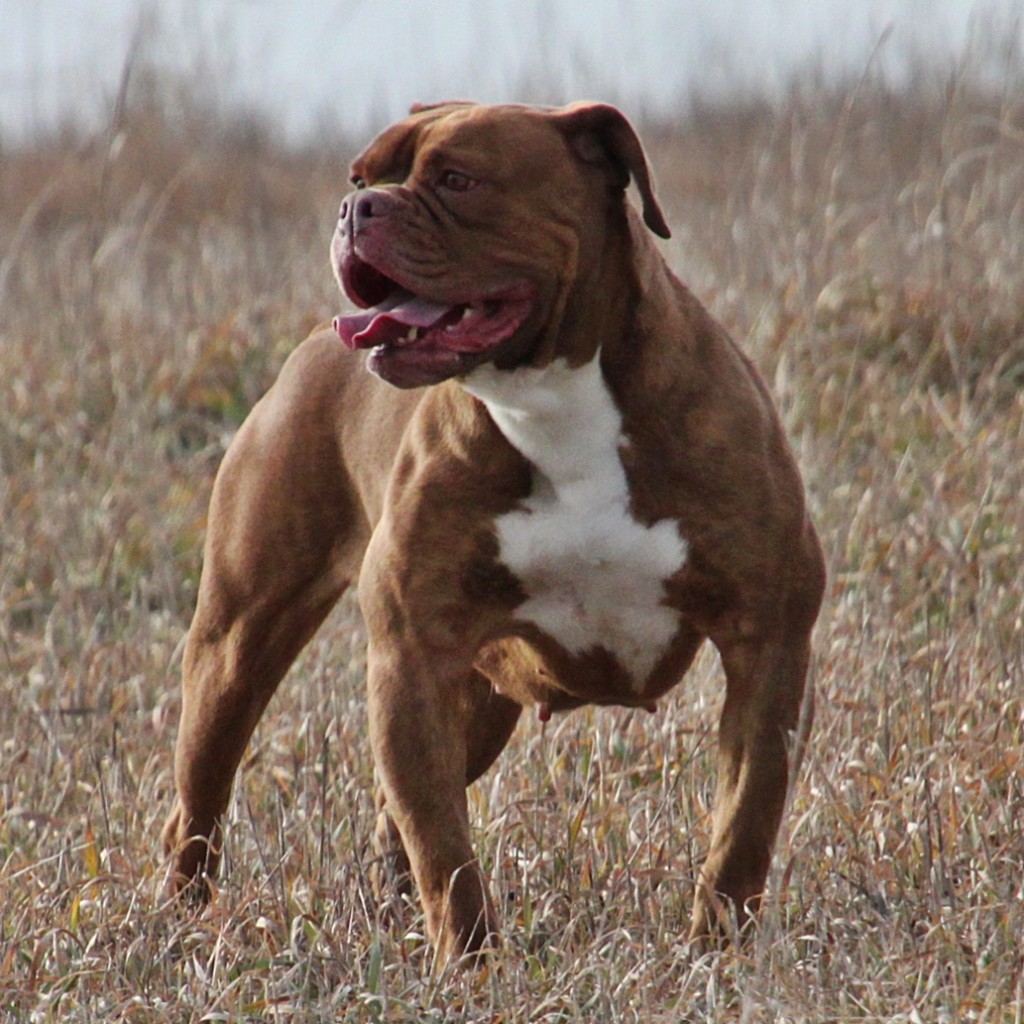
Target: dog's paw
719 921
194 858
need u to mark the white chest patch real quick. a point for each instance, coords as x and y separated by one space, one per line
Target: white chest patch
594 575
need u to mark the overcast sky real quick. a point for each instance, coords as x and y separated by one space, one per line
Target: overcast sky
358 64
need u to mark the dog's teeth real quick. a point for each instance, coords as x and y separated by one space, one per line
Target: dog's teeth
465 313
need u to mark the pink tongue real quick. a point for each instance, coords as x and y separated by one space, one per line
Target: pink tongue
388 320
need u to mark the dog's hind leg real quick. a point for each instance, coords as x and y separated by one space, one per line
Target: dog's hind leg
284 532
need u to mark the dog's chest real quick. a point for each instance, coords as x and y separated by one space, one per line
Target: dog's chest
594 576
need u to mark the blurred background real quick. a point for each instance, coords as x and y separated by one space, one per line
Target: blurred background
311 64
844 180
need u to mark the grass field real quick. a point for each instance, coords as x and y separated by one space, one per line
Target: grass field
867 247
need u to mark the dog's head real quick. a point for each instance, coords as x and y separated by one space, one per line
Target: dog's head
468 227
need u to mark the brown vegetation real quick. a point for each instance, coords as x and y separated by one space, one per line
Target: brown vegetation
867 245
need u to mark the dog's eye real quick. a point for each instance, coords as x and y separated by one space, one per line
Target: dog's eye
357 181
456 181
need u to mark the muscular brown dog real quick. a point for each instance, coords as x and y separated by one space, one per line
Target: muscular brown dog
553 475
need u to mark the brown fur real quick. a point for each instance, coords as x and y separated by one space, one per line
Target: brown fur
336 477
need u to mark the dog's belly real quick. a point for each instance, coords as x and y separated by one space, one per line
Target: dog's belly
594 576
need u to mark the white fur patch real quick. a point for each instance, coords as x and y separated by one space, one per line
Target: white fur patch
593 574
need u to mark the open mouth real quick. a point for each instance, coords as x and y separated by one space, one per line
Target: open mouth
416 340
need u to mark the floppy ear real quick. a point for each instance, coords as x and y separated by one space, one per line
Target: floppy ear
420 108
600 134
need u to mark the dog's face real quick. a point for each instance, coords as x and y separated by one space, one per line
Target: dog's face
467 228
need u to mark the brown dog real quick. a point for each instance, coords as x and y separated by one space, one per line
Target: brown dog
594 482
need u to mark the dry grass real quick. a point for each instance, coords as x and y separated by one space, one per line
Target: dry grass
869 247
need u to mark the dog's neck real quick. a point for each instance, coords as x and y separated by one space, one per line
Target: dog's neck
563 420
596 297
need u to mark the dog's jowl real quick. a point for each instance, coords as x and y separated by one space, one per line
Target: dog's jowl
551 475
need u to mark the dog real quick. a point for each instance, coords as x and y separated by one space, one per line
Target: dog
552 476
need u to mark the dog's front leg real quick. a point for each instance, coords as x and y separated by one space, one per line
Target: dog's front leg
486 719
426 705
419 746
757 733
760 739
